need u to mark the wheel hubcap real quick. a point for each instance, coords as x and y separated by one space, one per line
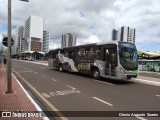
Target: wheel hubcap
60 69
95 73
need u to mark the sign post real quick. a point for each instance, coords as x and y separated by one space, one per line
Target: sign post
9 74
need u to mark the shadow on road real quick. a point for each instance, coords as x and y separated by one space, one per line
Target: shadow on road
115 82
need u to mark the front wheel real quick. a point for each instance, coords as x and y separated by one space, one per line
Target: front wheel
96 74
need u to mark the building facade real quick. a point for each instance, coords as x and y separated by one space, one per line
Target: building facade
33 34
46 40
125 34
20 40
114 34
68 40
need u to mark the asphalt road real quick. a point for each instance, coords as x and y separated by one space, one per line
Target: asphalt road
75 92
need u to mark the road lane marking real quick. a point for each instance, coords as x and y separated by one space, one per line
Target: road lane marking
63 92
148 82
141 118
70 87
35 72
43 98
24 71
158 95
103 82
102 101
46 95
54 80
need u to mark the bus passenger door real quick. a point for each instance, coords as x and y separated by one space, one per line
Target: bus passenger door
111 61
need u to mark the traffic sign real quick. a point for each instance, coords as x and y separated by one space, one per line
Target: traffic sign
5 41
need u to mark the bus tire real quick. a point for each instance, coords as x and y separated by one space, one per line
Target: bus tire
96 73
60 68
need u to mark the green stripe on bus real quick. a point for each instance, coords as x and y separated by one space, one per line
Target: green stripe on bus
134 71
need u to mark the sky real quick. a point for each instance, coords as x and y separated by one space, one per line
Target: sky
89 20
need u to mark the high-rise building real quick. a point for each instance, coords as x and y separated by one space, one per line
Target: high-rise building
125 34
33 34
114 34
20 40
1 46
68 40
46 39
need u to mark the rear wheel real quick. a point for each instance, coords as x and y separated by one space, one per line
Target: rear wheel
96 73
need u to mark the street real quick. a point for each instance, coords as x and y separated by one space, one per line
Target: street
68 91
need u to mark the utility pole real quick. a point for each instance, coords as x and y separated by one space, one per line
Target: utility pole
9 74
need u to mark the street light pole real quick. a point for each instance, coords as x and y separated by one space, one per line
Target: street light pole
9 75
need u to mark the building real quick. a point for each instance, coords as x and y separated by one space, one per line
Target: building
21 42
125 34
46 39
114 34
68 40
33 34
1 45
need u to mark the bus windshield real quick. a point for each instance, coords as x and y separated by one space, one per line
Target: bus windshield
128 56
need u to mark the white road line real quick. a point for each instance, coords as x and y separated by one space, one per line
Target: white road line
141 118
103 82
24 71
70 87
158 95
147 82
54 80
103 101
35 72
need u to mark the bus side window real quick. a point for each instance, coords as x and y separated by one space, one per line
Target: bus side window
97 53
72 54
54 55
66 54
81 52
91 52
51 54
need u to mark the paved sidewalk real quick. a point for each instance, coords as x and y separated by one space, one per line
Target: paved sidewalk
16 101
148 80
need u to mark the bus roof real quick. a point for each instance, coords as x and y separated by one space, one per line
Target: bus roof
92 44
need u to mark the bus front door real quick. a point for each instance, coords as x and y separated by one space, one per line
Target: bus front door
110 59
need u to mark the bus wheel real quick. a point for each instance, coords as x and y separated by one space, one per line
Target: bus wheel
96 74
60 68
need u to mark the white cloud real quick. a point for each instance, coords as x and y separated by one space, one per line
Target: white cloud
88 19
93 39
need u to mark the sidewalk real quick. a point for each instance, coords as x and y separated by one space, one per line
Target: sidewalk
148 80
16 101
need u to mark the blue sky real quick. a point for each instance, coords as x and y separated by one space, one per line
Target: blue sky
4 27
90 20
